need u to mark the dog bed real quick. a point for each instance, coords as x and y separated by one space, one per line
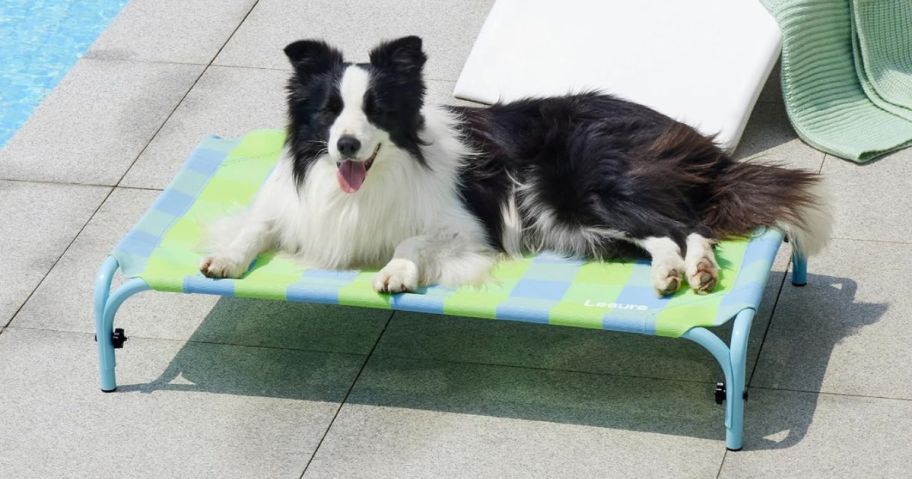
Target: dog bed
702 62
162 252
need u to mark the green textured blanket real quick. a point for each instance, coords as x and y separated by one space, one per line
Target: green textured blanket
847 73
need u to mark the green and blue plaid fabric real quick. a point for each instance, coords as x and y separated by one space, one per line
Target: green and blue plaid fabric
222 175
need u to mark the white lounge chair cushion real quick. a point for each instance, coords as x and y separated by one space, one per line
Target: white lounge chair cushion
703 62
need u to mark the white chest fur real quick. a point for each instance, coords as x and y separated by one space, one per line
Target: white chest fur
400 199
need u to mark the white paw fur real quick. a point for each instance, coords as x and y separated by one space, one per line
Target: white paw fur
399 275
700 264
667 274
222 266
667 264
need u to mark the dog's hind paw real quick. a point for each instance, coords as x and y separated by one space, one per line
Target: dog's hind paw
222 267
398 276
667 277
703 275
701 266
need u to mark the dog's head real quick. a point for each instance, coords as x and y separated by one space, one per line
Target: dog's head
355 115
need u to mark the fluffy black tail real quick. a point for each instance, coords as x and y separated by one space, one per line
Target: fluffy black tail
747 195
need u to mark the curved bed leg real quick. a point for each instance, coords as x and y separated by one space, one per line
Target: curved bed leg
732 360
799 269
736 394
102 334
106 305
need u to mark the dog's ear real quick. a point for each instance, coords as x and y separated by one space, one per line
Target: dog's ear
402 56
310 57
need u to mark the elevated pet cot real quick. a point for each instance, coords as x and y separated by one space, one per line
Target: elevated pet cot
162 253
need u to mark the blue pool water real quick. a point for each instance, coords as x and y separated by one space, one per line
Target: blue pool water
39 41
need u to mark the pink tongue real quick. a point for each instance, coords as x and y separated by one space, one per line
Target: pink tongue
351 175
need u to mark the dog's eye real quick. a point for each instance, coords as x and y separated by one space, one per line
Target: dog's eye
370 104
376 108
334 105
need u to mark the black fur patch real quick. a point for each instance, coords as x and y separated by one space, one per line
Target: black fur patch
395 96
580 155
314 101
594 160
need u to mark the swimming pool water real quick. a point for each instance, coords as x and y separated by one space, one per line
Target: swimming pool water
39 41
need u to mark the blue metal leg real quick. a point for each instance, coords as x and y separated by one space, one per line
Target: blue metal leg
103 335
106 306
799 269
735 393
732 360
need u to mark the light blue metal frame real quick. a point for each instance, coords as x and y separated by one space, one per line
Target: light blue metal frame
732 358
106 305
799 270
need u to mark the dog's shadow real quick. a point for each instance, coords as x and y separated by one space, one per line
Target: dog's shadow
261 364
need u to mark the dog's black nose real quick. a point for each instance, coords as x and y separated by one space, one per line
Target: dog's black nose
348 145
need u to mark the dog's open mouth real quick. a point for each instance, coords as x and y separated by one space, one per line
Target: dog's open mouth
351 173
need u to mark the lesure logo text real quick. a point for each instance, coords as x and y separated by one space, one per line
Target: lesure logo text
602 304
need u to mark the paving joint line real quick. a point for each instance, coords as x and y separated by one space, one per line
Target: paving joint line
253 67
829 393
141 188
52 182
351 388
534 368
862 240
769 323
90 56
89 185
160 127
197 341
127 170
722 463
186 94
59 257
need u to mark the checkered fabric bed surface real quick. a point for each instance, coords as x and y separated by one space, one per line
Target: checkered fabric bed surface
222 175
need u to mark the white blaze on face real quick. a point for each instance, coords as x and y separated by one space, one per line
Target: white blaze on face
352 120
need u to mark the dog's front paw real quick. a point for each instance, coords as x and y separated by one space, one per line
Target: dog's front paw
399 275
667 276
220 266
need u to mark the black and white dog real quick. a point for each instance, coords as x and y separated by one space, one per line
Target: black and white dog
373 177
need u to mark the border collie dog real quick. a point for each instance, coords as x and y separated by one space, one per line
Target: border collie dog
374 177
